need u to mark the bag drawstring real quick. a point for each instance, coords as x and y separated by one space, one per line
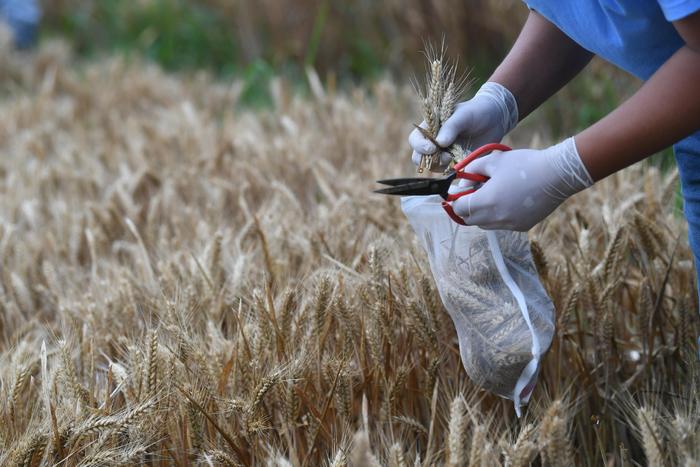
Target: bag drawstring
530 369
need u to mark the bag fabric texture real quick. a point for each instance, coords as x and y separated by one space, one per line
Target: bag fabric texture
489 285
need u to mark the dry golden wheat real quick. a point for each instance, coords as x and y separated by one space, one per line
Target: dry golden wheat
163 251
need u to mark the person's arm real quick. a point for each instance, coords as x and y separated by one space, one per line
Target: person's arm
663 111
542 60
526 185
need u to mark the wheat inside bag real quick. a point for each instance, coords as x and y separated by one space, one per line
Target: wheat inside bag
489 285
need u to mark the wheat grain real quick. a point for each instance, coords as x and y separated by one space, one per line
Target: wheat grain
321 301
264 386
683 434
340 459
361 454
651 436
539 259
28 449
79 392
101 458
152 364
414 424
344 396
456 438
524 450
568 309
645 236
554 438
613 255
21 377
221 458
396 456
478 445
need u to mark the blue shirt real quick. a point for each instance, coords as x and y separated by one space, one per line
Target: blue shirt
636 35
23 17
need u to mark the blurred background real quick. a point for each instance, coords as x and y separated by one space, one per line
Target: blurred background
347 43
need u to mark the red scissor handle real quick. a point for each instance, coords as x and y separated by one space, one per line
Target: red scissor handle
451 212
475 154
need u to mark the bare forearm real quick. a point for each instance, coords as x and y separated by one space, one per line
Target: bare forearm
663 111
542 60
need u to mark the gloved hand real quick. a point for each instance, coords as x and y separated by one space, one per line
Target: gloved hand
483 119
525 186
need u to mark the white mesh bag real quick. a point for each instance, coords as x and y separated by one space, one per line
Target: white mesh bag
490 287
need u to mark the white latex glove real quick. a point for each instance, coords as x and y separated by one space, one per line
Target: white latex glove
525 186
483 119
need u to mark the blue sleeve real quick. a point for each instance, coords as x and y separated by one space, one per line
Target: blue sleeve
678 9
23 18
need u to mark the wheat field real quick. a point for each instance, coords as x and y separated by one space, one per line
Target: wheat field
186 282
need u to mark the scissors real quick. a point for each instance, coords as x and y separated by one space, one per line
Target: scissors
423 186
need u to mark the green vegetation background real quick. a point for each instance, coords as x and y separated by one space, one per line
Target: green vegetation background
348 43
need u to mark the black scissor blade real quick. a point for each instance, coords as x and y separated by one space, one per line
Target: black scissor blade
423 187
401 181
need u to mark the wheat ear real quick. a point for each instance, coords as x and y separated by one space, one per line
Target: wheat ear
456 436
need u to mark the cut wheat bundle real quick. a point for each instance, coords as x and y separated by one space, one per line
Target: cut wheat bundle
443 88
